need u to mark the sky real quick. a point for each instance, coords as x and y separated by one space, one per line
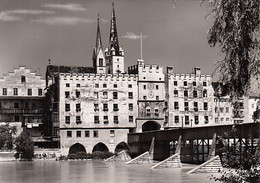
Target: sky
34 31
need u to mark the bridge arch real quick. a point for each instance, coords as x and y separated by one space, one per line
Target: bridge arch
75 148
122 146
150 126
100 147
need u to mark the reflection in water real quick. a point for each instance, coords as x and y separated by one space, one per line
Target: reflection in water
93 172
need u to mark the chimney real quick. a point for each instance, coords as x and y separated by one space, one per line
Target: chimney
196 71
169 69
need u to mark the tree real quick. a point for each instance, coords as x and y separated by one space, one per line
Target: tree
24 145
236 31
7 133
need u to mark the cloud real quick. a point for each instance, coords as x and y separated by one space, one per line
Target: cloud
15 15
69 7
63 20
130 35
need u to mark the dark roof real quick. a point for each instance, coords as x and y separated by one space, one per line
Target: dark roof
54 69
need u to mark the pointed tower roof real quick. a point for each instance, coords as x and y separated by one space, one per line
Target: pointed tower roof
98 46
113 37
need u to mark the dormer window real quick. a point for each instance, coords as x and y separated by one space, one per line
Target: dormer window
23 79
101 62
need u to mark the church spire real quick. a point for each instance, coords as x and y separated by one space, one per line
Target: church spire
98 40
98 56
113 37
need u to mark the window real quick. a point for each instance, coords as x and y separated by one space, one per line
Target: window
105 107
116 119
115 85
23 79
176 105
216 120
148 111
104 85
55 117
205 93
96 107
196 118
78 85
112 133
78 108
204 83
216 109
185 83
115 96
176 119
106 120
69 134
227 109
15 91
175 83
67 107
33 105
221 109
78 133
16 105
130 95
105 95
67 94
157 97
96 119
144 87
157 87
39 92
187 121
175 93
221 120
227 119
96 85
115 107
156 112
195 94
67 119
186 93
4 91
67 85
131 119
130 107
78 120
55 131
144 97
77 94
87 133
206 119
186 106
16 118
96 95
100 60
194 83
130 86
95 133
205 106
196 106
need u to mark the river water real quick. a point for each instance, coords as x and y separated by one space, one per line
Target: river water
94 172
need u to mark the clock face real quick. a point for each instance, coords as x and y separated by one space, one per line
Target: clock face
150 94
150 86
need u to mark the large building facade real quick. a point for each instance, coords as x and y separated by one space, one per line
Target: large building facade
94 108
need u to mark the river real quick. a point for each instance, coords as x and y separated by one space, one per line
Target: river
94 172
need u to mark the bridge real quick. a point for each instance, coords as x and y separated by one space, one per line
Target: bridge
196 142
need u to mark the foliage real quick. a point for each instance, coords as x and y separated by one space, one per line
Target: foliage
94 155
236 31
7 133
248 170
24 145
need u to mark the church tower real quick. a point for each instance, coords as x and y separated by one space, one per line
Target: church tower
98 56
114 54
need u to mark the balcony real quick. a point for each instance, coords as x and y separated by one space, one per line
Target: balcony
21 111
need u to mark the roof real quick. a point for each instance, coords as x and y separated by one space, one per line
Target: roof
54 69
